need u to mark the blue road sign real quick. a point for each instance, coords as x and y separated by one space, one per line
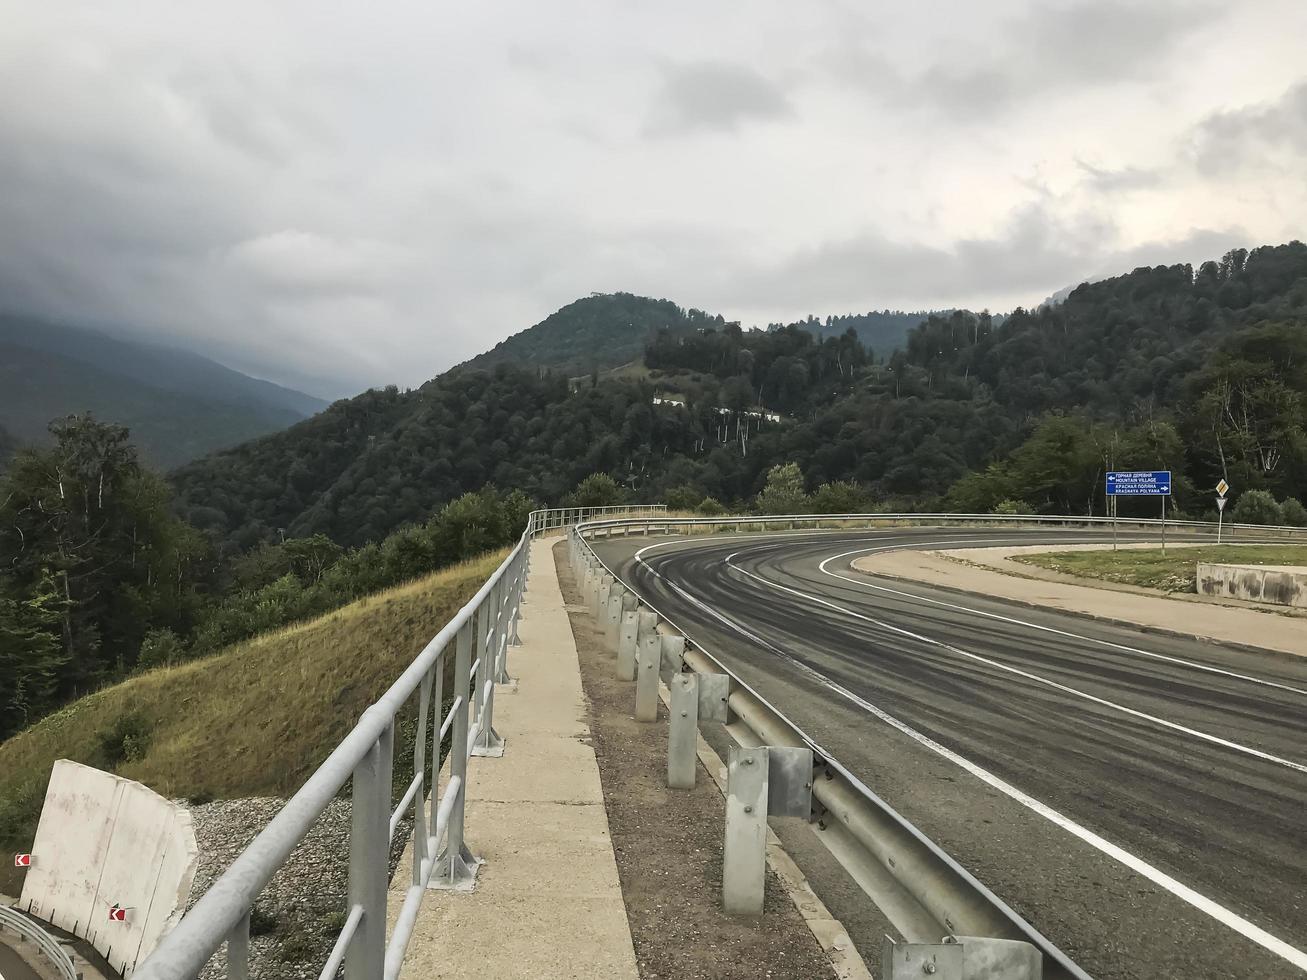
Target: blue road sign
1148 483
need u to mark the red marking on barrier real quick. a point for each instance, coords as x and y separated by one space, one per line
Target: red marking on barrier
22 860
116 914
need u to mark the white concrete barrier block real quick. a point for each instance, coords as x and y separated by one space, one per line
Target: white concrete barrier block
102 841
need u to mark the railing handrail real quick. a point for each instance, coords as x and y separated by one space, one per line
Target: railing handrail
16 921
222 913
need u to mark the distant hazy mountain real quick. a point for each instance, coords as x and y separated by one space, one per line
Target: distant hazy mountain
881 331
178 405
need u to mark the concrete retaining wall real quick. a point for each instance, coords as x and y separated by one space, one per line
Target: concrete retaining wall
103 841
1284 585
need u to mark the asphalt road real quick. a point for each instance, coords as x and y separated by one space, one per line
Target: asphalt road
13 967
1141 799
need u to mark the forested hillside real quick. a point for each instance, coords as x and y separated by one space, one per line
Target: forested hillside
1197 370
596 333
178 405
1203 373
881 331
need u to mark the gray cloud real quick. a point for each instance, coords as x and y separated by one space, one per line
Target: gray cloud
1121 179
1035 249
1048 48
714 96
1254 135
377 198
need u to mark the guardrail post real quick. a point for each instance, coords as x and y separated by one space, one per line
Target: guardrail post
744 851
456 867
760 781
683 732
369 852
673 656
646 678
647 626
612 615
627 639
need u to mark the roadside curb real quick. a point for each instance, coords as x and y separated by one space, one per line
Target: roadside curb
1077 613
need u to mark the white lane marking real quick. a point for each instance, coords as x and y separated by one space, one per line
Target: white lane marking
1005 619
1114 705
1201 902
1036 626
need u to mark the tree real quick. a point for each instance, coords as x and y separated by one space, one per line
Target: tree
31 656
1293 513
1257 507
596 490
783 493
840 497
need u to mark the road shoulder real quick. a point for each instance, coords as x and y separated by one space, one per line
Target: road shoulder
668 845
971 570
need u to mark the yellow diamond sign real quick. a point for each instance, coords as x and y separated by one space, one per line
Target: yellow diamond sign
1223 488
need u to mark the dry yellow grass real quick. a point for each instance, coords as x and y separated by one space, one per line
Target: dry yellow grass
255 719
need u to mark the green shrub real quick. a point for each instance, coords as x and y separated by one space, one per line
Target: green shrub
710 507
1012 507
160 648
1293 512
126 740
1257 507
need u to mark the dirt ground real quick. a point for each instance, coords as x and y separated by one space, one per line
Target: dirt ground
669 842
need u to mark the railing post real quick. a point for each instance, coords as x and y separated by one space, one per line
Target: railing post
683 732
488 743
503 626
456 868
420 772
369 852
238 950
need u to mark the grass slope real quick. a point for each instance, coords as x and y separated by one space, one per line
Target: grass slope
1176 571
253 720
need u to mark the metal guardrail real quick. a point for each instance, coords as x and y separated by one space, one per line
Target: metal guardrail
923 891
477 639
764 521
11 920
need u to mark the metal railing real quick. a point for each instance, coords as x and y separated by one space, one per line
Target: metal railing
476 640
923 891
11 920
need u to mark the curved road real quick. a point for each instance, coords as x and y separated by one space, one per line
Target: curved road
1141 799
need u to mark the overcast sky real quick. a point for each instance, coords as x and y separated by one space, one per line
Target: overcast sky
343 194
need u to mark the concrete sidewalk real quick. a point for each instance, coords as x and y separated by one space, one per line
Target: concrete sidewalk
960 569
548 902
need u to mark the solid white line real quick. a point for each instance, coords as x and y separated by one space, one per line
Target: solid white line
1215 910
1116 706
1036 626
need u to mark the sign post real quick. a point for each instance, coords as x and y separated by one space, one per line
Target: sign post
1146 483
1222 488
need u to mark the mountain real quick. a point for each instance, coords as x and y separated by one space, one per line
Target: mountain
178 405
880 331
598 332
1196 370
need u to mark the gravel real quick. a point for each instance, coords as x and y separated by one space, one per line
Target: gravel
299 914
